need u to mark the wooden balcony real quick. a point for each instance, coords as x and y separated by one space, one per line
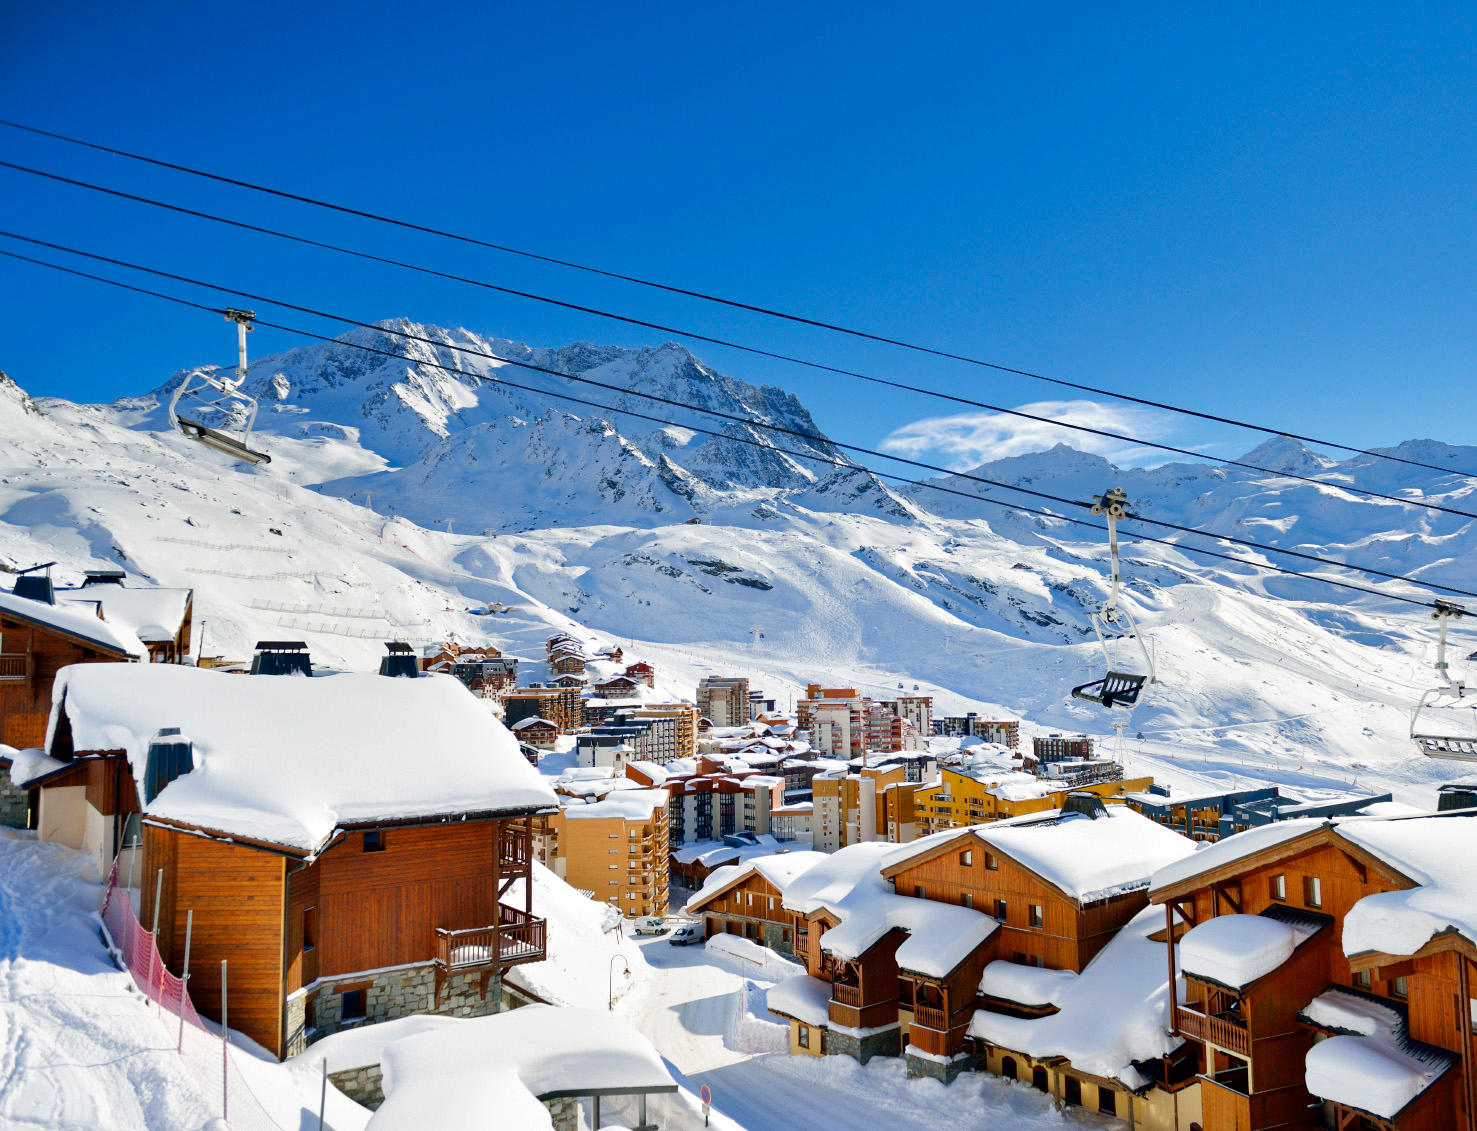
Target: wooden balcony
15 667
1222 1032
517 938
846 995
514 847
930 1018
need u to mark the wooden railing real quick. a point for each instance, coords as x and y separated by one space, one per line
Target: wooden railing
513 845
15 666
1227 1034
846 995
930 1018
802 939
517 937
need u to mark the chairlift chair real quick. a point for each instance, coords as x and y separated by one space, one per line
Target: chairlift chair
211 395
1430 722
1122 686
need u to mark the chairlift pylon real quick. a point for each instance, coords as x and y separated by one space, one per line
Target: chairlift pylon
1429 730
209 394
1121 687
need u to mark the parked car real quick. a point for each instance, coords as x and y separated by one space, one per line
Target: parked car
687 933
651 925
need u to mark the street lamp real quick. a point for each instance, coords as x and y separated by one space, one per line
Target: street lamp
610 989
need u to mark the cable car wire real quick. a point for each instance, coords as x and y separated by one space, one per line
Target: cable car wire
717 299
846 464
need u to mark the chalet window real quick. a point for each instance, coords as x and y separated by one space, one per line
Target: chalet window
1037 919
804 1037
967 857
352 1005
1312 891
991 862
1072 1091
1472 1012
1362 979
1398 988
310 928
771 903
374 841
1107 1100
918 891
1000 910
1278 886
966 900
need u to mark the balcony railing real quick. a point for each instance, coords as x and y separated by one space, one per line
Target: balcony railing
518 937
846 995
15 666
930 1018
1221 1031
513 846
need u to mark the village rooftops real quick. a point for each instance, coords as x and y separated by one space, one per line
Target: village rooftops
288 761
75 621
1086 858
1114 1013
624 804
1435 853
849 886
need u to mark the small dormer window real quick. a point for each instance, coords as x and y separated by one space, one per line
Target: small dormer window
374 841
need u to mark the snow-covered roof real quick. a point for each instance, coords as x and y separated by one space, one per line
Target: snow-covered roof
1087 858
1235 950
81 623
287 759
1228 850
849 885
1372 1064
29 765
780 869
1035 987
154 614
802 997
621 804
452 1076
1114 1013
533 720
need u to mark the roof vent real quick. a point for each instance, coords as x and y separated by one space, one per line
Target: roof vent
1087 804
281 657
102 577
35 586
171 755
1457 795
401 661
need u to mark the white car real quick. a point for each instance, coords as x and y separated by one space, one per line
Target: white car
652 925
686 934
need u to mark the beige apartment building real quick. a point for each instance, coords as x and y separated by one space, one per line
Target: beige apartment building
615 848
724 700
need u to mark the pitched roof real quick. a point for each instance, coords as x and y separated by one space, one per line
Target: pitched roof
154 614
75 622
288 759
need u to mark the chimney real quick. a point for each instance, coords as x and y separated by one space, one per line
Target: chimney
281 657
400 661
1456 795
35 586
170 755
103 577
1087 804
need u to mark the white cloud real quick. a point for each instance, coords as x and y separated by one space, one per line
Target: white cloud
969 439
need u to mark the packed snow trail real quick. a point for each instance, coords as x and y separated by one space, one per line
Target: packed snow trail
687 1005
78 1046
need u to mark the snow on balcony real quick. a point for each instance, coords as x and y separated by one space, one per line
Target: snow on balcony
1034 987
1235 950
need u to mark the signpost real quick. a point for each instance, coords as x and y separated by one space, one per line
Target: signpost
705 1094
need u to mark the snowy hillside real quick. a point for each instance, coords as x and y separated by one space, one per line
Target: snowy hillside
577 520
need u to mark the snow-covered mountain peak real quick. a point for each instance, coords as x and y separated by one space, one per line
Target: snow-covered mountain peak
1284 453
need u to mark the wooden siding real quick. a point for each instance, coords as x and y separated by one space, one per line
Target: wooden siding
238 895
110 786
378 909
25 704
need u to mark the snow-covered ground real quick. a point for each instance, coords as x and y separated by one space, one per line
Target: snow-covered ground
687 1007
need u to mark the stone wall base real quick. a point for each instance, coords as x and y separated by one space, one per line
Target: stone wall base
946 1071
388 996
887 1043
13 802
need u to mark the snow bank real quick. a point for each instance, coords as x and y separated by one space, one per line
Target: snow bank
288 759
1114 1013
453 1076
1032 986
751 1027
744 956
1235 950
806 999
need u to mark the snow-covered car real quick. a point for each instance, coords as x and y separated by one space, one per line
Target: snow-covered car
686 933
651 925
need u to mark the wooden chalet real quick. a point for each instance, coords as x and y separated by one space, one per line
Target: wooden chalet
1330 973
615 687
537 732
161 618
748 900
642 672
357 849
1060 886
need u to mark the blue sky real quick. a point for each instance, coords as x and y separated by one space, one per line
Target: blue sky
1264 213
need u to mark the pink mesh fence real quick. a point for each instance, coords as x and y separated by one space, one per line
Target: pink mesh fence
208 1058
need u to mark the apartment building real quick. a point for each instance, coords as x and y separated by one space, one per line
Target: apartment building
917 710
559 705
724 700
615 847
1211 816
871 803
710 799
1003 732
971 790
